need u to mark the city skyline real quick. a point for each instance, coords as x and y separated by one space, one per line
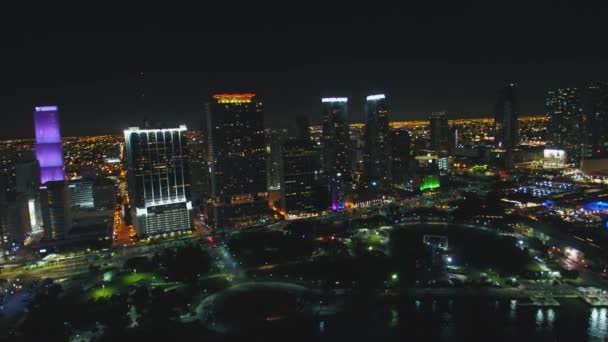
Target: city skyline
294 172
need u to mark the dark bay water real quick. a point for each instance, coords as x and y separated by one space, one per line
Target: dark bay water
465 319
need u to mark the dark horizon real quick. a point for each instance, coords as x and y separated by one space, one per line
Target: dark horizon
454 59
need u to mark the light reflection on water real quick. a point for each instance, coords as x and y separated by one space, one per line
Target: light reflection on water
598 328
550 318
513 309
462 319
394 317
539 318
544 319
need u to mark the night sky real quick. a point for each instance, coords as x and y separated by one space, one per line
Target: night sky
423 58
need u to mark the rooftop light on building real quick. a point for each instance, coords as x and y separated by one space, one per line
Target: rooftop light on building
234 98
376 97
334 99
46 109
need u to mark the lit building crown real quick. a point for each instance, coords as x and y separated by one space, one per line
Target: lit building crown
48 143
334 99
234 98
376 97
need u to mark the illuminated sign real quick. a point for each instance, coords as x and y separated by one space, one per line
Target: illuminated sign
554 159
234 98
376 97
334 99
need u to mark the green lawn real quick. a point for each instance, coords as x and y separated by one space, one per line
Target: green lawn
120 284
376 239
534 267
494 277
101 293
134 278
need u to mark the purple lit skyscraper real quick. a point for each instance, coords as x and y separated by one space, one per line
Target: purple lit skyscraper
48 144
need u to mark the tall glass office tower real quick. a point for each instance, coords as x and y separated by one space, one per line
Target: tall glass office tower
506 115
336 153
48 144
158 180
377 145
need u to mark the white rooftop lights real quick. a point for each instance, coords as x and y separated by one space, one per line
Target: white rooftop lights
376 97
334 99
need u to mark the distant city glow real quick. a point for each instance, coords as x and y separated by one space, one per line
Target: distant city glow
334 99
376 97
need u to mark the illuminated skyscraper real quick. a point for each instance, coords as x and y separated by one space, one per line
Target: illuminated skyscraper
400 154
237 158
56 214
506 118
48 144
274 148
595 119
27 186
158 180
302 185
565 122
336 152
439 132
199 170
377 155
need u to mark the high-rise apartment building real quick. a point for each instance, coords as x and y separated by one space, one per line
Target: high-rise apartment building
506 114
595 119
302 184
237 159
377 155
336 153
400 155
439 130
565 122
